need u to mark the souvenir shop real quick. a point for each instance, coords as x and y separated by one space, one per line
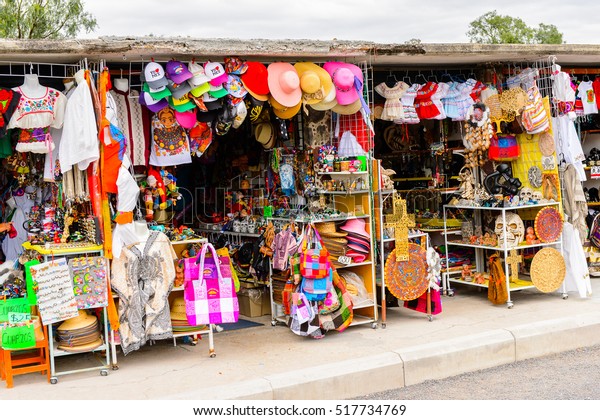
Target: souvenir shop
162 198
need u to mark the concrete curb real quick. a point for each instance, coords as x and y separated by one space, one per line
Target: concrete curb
416 364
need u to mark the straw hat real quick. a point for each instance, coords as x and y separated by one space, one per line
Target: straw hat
265 134
178 309
351 109
356 226
284 84
543 279
83 347
327 103
327 229
283 112
343 76
82 320
314 81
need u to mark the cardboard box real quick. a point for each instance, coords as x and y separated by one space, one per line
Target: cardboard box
254 302
248 307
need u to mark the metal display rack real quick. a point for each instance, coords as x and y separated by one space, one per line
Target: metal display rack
453 276
49 253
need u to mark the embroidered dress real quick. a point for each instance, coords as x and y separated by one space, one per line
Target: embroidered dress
408 106
143 281
464 100
476 91
449 101
392 109
441 92
132 120
424 105
34 116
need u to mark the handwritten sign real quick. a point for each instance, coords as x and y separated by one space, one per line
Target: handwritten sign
56 301
17 318
17 305
342 259
15 338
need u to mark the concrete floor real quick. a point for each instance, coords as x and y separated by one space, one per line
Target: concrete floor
269 362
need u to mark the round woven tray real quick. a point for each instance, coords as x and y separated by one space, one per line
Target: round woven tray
407 280
548 224
548 270
546 144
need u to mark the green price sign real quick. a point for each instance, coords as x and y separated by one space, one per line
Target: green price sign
15 338
18 305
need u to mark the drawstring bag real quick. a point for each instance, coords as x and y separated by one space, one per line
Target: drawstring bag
504 148
534 117
497 292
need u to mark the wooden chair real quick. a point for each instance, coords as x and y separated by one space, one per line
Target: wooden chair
32 359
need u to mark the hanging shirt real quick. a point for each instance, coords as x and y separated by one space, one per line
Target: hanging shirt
409 113
35 116
132 120
588 99
568 144
127 198
170 143
79 141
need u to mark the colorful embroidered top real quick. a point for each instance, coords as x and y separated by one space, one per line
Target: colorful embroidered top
408 106
424 105
437 97
46 111
392 109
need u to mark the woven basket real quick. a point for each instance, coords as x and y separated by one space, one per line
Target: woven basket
543 279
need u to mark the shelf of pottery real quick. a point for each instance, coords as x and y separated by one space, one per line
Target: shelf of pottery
518 246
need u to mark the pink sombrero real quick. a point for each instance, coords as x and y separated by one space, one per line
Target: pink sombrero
343 76
356 226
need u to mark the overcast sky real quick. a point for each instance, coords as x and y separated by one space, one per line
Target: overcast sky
370 20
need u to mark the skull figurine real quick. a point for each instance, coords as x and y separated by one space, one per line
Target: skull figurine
514 229
237 226
244 226
537 196
526 194
251 226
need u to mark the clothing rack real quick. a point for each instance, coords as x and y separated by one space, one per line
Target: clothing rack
45 70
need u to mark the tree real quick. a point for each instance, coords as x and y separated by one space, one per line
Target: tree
492 28
44 19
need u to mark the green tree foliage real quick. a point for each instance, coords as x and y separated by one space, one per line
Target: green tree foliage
44 19
492 28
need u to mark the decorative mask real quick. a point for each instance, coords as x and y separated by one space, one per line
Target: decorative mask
251 226
514 229
237 226
537 196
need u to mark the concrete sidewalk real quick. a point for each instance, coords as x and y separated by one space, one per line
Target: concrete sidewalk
269 362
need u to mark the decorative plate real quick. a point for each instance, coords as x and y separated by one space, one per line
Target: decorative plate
543 279
548 224
535 176
407 280
546 144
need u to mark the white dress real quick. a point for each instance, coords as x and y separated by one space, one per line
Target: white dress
392 109
578 275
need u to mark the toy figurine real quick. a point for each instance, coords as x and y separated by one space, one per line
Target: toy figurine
530 237
466 273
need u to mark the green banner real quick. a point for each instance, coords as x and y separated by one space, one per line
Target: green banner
31 287
15 338
17 305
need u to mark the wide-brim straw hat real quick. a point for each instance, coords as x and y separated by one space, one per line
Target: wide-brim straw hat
178 309
312 79
283 112
548 270
351 109
82 348
82 320
326 104
356 226
327 229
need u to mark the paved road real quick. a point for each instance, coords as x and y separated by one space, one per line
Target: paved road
573 375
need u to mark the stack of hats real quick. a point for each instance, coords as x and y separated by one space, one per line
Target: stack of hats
79 334
179 319
335 241
359 240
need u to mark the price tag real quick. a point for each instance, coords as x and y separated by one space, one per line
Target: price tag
16 318
595 172
344 260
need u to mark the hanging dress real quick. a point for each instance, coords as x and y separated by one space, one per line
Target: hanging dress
424 105
449 101
143 281
437 97
408 106
392 109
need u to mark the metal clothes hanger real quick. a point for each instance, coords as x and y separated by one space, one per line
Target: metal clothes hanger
406 79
